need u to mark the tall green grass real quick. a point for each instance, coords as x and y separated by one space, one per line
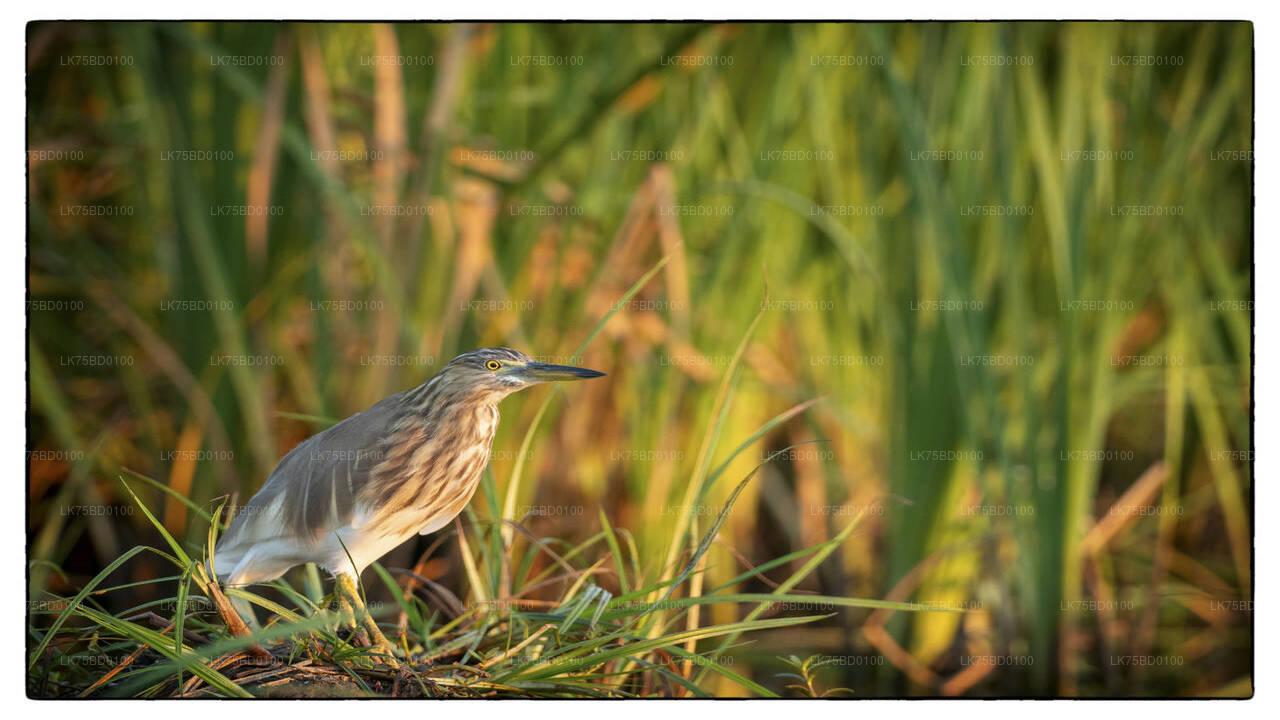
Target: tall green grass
763 138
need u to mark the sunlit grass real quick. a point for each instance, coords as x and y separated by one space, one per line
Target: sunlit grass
806 178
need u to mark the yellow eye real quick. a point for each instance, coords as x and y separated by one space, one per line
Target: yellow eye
493 364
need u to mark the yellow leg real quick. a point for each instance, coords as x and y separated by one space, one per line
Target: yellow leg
347 619
349 592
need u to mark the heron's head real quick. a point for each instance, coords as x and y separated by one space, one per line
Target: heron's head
498 372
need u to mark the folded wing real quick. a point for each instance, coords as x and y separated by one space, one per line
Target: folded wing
310 494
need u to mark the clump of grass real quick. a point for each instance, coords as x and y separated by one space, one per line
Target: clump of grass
587 643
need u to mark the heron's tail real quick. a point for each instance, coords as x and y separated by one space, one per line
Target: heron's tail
247 565
220 565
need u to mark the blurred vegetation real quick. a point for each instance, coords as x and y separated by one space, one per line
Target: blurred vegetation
1018 291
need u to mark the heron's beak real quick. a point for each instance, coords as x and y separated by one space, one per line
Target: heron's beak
543 372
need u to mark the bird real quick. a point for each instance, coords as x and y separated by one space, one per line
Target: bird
408 465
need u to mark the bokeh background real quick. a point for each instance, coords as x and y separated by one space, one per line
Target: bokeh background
1011 262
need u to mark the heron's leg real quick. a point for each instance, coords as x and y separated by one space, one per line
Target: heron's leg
347 619
235 623
347 589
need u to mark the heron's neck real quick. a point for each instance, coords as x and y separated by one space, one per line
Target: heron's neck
434 396
471 417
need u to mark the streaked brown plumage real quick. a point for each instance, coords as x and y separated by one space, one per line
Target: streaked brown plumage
407 465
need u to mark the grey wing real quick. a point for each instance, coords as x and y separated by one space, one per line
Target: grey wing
313 489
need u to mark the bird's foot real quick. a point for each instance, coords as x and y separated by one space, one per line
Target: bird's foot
387 656
363 623
359 638
386 651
